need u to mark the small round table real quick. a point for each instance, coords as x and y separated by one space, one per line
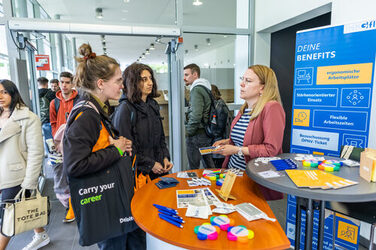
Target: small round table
361 192
268 235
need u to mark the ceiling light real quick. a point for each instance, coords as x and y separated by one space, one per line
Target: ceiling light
158 40
152 46
143 55
197 3
103 38
196 47
127 1
147 52
208 41
186 51
99 13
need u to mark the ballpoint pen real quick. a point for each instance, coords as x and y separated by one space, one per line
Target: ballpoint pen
167 211
165 208
171 221
172 218
169 214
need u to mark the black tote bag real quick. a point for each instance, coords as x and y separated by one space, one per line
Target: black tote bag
101 202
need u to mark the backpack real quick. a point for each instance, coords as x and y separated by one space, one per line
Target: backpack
220 118
44 105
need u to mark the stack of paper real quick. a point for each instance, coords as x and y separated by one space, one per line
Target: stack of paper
318 179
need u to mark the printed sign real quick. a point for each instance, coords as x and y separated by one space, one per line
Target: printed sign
42 62
333 86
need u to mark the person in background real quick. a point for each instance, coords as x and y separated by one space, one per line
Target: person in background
146 130
88 146
197 117
257 130
46 95
21 153
60 107
54 85
217 158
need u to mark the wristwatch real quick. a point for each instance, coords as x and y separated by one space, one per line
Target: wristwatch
240 152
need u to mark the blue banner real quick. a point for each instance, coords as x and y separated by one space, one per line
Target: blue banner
333 83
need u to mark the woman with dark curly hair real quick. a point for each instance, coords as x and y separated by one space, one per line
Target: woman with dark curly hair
138 119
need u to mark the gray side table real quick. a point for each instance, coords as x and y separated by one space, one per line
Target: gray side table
362 192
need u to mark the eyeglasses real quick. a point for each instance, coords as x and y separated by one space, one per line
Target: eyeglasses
245 80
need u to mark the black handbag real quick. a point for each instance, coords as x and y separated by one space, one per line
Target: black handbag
101 202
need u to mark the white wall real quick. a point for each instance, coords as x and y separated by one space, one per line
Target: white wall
274 15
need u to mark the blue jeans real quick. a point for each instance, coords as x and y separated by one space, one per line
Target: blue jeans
193 144
47 134
135 240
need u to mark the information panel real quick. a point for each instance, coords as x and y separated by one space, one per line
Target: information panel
333 85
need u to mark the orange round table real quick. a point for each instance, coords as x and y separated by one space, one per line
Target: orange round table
268 235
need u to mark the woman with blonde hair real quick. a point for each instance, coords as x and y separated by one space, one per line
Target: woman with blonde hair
257 130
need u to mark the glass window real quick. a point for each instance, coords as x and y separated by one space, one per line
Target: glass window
223 13
3 42
1 8
4 67
215 55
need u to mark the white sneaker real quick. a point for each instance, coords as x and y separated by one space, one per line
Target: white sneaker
39 240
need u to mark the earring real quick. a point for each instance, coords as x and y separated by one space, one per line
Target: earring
260 94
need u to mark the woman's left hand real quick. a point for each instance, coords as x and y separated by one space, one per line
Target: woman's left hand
227 150
167 165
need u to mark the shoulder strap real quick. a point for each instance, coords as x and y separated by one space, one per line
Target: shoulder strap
57 104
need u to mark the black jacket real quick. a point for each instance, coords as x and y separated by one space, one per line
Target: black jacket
50 95
147 134
86 143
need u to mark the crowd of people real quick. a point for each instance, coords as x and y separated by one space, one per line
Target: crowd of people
83 145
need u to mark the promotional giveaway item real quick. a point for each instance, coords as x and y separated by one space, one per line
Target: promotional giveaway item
101 202
222 221
368 164
240 233
170 215
23 214
166 182
140 179
207 232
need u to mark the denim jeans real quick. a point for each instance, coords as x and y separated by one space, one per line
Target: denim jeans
47 134
135 240
193 144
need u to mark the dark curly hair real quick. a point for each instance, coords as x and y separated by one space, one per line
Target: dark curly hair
132 78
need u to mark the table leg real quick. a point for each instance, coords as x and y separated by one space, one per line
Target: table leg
309 225
334 230
321 208
298 223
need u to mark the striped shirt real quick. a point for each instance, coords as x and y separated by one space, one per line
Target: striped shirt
237 136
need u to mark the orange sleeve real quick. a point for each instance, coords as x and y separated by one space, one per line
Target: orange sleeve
53 117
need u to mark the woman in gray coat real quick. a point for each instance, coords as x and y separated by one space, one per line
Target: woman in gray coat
21 152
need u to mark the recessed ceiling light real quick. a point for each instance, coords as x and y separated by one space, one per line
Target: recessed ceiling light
196 47
147 52
208 41
197 3
127 1
99 13
152 46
